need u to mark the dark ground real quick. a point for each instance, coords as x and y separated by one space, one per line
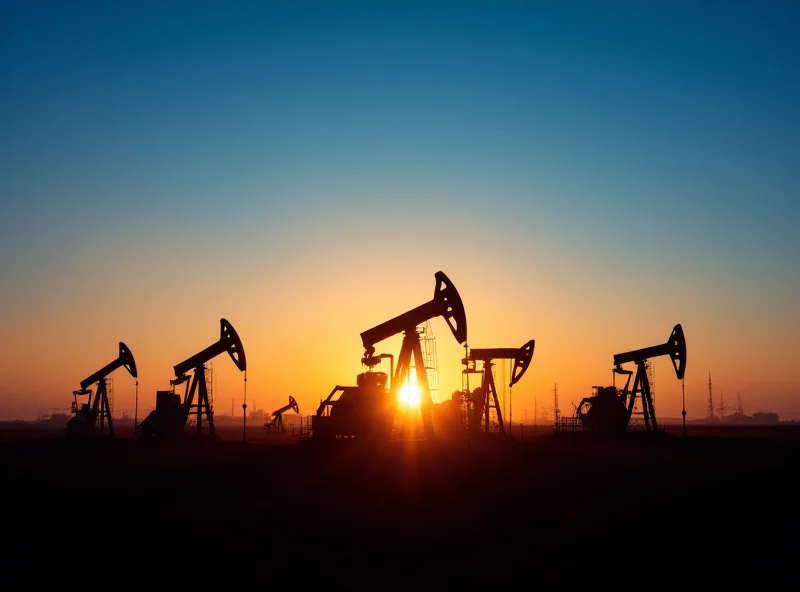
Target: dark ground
527 507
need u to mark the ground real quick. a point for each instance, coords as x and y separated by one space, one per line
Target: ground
517 505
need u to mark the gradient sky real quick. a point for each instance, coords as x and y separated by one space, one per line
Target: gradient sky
587 174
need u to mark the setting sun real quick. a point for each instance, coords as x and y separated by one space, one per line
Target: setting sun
409 395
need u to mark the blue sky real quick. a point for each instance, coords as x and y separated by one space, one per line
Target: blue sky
655 139
687 107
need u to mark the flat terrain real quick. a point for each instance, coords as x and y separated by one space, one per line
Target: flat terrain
504 504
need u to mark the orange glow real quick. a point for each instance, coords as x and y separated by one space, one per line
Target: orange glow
409 395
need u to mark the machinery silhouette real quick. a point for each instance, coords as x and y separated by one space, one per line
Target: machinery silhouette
484 398
275 424
97 409
609 410
169 417
367 410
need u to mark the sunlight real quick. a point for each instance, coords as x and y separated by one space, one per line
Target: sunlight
409 395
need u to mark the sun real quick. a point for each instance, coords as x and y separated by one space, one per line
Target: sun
409 395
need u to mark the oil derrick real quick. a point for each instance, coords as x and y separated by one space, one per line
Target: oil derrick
209 373
428 342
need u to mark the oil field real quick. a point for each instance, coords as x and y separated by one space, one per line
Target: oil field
271 271
348 491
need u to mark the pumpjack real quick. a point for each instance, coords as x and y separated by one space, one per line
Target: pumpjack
484 398
169 417
275 423
609 410
367 410
97 409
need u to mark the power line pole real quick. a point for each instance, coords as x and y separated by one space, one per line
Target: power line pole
710 410
556 411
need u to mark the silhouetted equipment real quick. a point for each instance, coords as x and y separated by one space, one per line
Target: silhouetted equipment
609 410
371 361
169 417
97 408
485 397
368 409
275 424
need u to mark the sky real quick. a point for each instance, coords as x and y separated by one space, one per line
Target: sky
587 175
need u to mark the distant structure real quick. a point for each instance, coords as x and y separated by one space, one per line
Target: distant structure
56 416
257 415
717 416
710 410
766 418
556 410
545 414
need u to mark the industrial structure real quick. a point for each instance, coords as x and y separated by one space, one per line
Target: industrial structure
90 417
483 401
367 410
275 423
609 409
710 417
170 416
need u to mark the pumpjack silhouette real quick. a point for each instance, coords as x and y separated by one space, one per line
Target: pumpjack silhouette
366 411
609 410
90 417
169 418
275 423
